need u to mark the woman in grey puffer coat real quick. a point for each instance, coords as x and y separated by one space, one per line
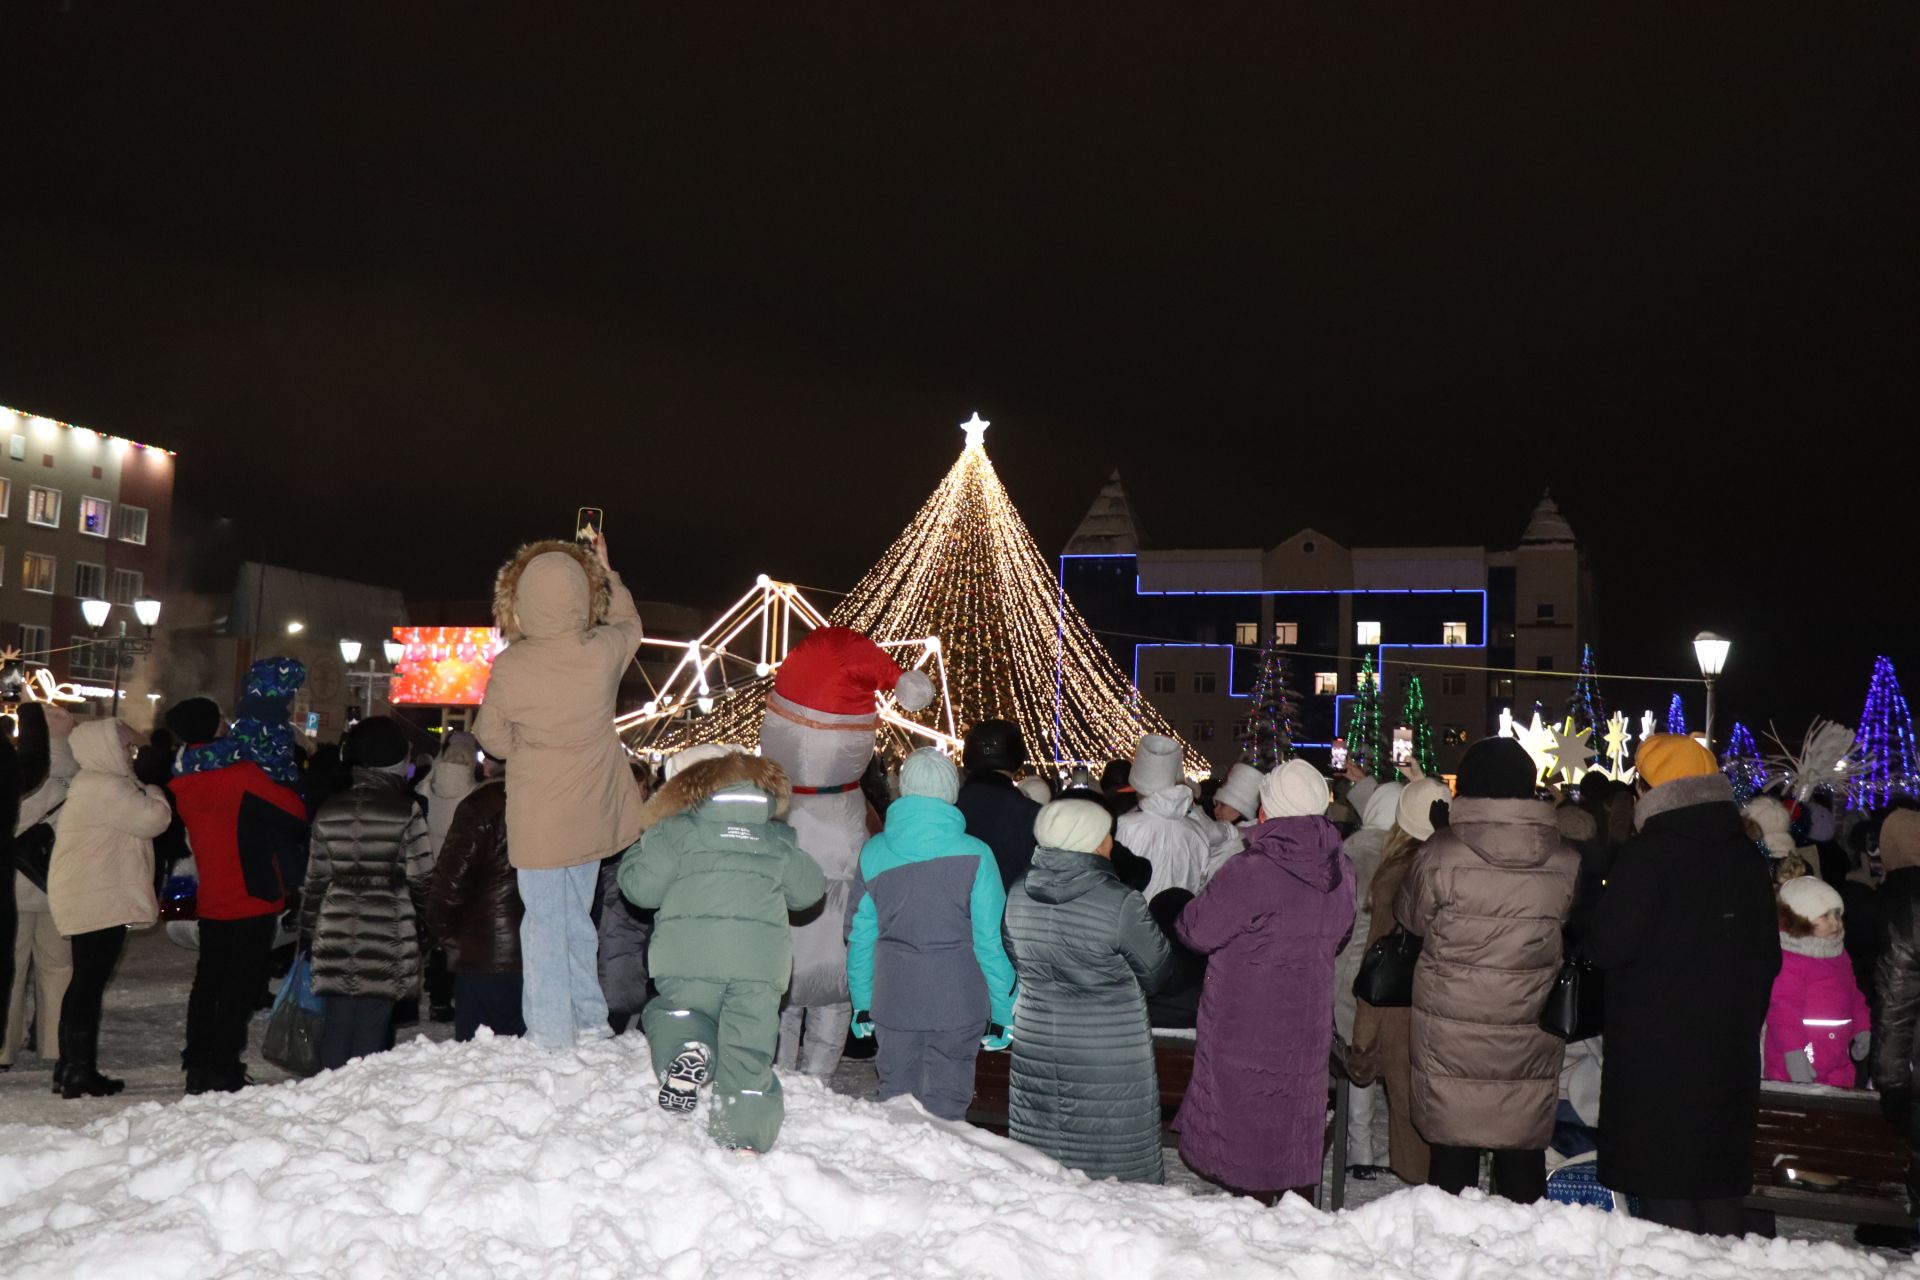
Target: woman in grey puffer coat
363 909
1082 1086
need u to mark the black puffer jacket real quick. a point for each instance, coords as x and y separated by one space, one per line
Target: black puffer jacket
1000 816
1896 1012
364 904
1082 1086
1688 937
474 909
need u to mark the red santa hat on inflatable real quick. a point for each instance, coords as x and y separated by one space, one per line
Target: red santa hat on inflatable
837 672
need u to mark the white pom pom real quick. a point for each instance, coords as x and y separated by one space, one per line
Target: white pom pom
914 691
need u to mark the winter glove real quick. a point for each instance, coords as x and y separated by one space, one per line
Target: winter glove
1799 1070
1861 1046
997 1039
862 1025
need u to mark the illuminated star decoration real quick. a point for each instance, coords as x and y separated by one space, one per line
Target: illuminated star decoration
1647 729
1537 739
1619 753
976 429
966 570
1571 752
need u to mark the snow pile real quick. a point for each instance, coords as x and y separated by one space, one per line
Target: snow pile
496 1159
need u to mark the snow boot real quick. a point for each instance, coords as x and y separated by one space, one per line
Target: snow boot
685 1074
88 1083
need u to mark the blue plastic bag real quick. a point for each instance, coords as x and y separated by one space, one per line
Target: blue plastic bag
292 1039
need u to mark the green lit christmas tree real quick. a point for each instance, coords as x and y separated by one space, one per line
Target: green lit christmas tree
1366 740
1413 714
1272 716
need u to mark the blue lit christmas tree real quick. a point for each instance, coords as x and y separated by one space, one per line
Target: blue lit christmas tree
1743 765
1883 744
1587 708
1676 716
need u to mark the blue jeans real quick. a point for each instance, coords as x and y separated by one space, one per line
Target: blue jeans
560 957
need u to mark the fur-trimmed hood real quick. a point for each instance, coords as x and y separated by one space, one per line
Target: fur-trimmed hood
534 595
697 783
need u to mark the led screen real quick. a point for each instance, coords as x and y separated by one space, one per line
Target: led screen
444 666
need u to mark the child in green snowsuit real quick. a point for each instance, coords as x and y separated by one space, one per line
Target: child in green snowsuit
722 871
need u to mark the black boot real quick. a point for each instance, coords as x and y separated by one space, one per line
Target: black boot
59 1073
85 1082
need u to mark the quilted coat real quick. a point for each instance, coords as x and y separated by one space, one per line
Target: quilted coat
474 907
1082 1086
363 909
1817 1010
102 869
1270 923
571 797
1489 895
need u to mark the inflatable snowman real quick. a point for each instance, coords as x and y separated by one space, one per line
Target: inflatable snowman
819 727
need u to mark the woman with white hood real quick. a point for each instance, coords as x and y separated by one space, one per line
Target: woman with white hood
1363 848
1164 829
42 959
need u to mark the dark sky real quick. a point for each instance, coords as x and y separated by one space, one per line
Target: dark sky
406 283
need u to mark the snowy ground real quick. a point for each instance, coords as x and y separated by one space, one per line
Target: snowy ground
496 1159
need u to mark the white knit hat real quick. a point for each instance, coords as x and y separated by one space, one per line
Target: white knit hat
928 772
1810 897
1035 789
1295 790
1156 764
1077 826
1415 812
1241 790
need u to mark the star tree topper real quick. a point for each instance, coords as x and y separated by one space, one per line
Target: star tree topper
976 429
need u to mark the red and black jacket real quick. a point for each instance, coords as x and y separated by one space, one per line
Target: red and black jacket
249 835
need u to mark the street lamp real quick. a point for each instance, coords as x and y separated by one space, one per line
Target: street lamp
148 611
350 651
394 651
96 612
1711 651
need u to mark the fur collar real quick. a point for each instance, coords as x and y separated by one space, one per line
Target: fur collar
1682 793
694 785
506 585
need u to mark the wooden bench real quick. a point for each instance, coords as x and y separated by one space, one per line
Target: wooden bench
1837 1132
1173 1066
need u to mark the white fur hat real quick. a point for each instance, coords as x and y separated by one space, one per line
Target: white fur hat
1810 897
1775 823
1241 790
1295 790
1156 764
1035 789
695 754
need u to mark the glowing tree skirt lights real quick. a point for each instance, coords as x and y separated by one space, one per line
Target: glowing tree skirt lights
966 570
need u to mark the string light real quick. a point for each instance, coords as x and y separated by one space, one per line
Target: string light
85 435
1272 721
1884 743
1676 717
1366 744
1413 713
1743 764
1588 709
966 570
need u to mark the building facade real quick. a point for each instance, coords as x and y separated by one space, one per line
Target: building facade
1482 628
83 516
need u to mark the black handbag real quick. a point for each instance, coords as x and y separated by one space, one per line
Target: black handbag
1576 1004
33 854
1385 980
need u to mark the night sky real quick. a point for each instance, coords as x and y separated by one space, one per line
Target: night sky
407 283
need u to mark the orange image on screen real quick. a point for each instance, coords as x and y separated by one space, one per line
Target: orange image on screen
444 666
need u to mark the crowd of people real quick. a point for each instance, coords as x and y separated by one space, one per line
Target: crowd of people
754 911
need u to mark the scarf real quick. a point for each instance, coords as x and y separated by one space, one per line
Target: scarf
1815 948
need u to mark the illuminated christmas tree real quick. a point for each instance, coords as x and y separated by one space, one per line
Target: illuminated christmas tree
1366 740
966 570
1271 718
1676 716
1743 764
1586 706
1413 714
1883 744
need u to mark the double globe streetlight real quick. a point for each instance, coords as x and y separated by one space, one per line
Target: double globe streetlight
350 654
96 612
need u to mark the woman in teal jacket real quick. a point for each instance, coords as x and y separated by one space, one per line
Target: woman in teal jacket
925 966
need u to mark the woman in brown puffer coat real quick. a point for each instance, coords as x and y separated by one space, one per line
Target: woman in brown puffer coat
1380 1050
1490 895
474 913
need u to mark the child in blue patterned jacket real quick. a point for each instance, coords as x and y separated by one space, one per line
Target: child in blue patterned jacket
925 965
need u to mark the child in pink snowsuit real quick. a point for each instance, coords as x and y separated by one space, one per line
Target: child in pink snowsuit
1817 1022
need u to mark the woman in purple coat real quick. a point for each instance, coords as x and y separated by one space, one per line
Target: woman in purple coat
1270 922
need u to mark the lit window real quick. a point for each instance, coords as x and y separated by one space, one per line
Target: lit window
1453 633
1326 683
1366 634
34 643
90 658
1453 684
1503 686
6 497
1543 611
1203 731
1203 682
43 507
1544 662
38 573
1286 633
90 581
128 585
17 450
133 524
96 517
1163 682
1246 633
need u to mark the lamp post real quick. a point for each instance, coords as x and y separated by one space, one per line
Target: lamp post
123 646
350 651
1711 651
